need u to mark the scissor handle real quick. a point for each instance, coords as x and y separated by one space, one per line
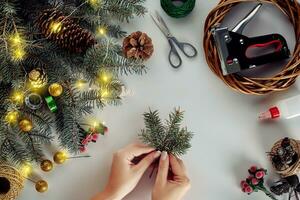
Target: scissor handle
187 49
174 54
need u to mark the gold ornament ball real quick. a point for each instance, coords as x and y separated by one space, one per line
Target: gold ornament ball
59 157
46 165
55 89
25 125
41 186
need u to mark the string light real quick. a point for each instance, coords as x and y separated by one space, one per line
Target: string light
16 40
18 54
105 77
105 93
18 97
55 27
101 31
94 3
80 84
26 170
12 117
17 46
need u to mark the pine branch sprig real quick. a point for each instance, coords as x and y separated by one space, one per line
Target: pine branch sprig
169 137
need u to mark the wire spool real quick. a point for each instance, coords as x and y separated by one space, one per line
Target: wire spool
178 11
254 86
11 182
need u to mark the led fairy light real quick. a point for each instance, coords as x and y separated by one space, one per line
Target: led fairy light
101 31
17 46
94 3
18 97
12 117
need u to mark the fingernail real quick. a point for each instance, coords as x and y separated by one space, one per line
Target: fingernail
164 155
157 154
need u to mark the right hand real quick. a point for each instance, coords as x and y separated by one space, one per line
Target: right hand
172 182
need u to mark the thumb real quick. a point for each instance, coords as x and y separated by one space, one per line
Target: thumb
163 169
144 164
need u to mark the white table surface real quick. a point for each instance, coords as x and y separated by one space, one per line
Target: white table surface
228 137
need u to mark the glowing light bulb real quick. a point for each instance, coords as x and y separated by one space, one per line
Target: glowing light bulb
95 124
80 84
55 27
18 97
18 54
104 93
101 31
26 169
12 117
94 3
16 40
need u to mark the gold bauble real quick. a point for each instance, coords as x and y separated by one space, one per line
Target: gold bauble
25 125
41 186
59 157
46 165
55 89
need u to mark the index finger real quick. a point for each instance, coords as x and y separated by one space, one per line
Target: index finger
177 166
135 150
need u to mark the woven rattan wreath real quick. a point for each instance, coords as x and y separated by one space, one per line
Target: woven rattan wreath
256 86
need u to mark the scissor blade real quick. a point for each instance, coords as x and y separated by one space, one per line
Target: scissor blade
162 21
160 26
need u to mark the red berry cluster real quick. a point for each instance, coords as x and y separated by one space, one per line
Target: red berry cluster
92 136
255 180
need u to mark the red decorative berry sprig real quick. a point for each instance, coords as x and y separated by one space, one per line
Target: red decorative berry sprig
92 135
255 182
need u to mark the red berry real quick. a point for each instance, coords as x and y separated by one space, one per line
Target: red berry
89 138
253 169
95 137
85 141
259 174
248 189
82 149
244 184
254 181
105 129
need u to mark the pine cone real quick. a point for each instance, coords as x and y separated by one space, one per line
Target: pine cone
138 45
64 31
38 78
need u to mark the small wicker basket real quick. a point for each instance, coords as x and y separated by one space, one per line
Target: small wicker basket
14 180
295 168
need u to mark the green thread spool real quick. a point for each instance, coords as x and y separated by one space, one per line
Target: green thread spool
178 11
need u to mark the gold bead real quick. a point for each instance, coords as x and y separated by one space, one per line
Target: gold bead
46 165
25 125
41 186
59 157
55 89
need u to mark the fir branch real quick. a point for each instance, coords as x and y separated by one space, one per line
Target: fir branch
170 137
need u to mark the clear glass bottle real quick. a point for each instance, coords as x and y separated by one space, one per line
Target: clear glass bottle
284 109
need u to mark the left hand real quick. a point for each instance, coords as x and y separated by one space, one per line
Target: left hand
125 175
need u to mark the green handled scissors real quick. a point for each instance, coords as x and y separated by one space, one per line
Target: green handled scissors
187 49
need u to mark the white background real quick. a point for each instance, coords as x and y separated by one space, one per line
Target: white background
228 137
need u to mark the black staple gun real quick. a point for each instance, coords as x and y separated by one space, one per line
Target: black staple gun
238 52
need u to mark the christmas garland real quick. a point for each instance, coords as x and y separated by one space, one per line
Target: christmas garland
58 62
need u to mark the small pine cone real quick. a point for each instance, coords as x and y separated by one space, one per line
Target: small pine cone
64 31
138 45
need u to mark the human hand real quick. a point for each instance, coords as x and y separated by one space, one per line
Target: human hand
125 174
172 182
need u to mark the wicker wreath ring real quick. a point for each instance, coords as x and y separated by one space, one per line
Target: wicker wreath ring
255 86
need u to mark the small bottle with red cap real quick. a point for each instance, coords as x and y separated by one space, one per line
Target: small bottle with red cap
284 109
